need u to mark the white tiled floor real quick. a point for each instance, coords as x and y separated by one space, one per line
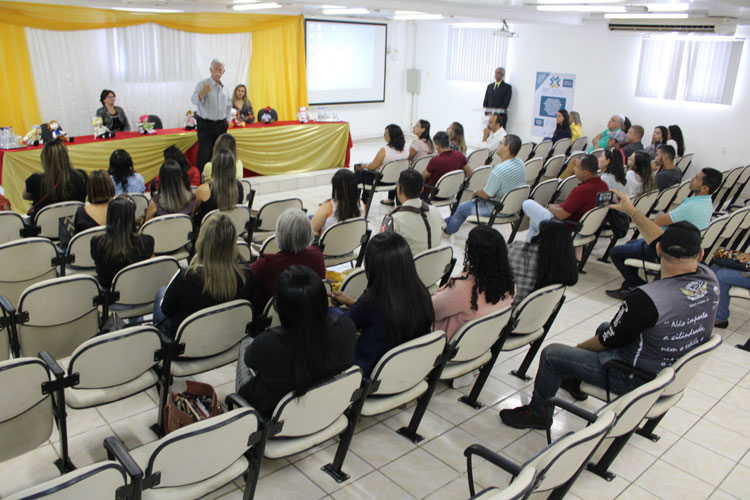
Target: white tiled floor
702 453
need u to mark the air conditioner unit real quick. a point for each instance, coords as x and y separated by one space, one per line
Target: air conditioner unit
713 25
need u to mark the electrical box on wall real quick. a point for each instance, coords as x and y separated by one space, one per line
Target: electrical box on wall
413 80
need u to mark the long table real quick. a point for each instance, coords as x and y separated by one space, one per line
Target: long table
280 148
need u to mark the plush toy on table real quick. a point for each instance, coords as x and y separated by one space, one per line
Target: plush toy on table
302 115
190 122
268 115
236 120
100 131
33 136
57 131
146 127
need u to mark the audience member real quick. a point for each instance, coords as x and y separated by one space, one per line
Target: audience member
485 285
395 149
625 125
294 238
668 174
658 138
59 181
100 192
696 209
124 176
419 223
639 176
121 244
493 135
192 174
580 200
447 160
394 308
657 324
509 174
225 141
113 117
224 191
241 103
575 125
343 204
727 279
421 146
214 276
614 123
548 259
617 139
173 197
562 128
310 346
676 140
634 136
612 168
455 132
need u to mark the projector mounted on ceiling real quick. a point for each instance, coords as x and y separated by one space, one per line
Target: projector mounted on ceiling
713 25
505 31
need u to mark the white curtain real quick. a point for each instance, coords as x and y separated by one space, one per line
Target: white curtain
689 68
152 70
474 53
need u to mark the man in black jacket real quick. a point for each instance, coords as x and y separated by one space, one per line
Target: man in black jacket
498 95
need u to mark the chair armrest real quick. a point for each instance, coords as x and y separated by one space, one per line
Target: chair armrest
117 451
549 406
53 365
5 305
504 463
235 399
616 363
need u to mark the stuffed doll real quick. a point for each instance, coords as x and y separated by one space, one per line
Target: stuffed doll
33 136
190 122
302 115
57 131
146 127
100 131
236 120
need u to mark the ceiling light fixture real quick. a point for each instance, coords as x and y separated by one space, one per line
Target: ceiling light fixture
581 8
256 6
571 2
413 15
647 16
343 11
667 7
145 10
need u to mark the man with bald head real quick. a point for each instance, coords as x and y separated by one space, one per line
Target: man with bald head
498 96
213 113
615 123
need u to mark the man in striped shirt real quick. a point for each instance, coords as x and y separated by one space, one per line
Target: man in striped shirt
509 174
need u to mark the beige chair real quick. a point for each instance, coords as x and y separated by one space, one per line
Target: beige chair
477 180
11 226
263 224
542 150
566 187
79 252
728 183
684 162
519 489
270 317
47 220
478 158
385 180
172 234
561 147
730 229
597 152
134 287
247 190
682 193
739 188
340 242
570 162
525 152
141 203
239 215
664 200
534 168
434 267
554 166
543 193
25 262
643 204
421 164
579 144
244 251
355 283
591 225
447 189
507 211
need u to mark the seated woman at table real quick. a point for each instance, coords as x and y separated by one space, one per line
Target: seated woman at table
59 181
124 176
173 197
223 192
242 104
100 192
224 141
394 149
113 117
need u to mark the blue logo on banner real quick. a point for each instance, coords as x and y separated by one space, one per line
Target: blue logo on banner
538 122
568 83
540 77
549 106
554 82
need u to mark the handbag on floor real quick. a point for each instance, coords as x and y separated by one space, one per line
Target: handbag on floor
198 402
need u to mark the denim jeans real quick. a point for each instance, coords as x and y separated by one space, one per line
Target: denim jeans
558 360
536 214
635 249
727 279
463 212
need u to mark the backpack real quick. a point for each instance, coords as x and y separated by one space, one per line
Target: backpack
387 224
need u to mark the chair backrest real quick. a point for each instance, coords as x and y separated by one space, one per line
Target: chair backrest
479 178
204 449
25 262
736 218
392 170
270 212
355 283
665 199
561 460
138 283
239 215
711 235
685 162
478 157
566 186
631 408
597 152
475 337
319 407
270 313
579 144
421 164
555 165
170 232
727 183
11 225
644 202
26 414
496 160
141 203
215 329
449 185
513 200
62 315
687 366
246 187
80 246
525 151
533 312
99 480
48 218
545 191
156 121
269 245
592 220
115 358
432 264
683 191
519 489
543 149
404 366
343 238
243 250
561 147
533 167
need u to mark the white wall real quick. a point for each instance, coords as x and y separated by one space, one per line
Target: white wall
605 65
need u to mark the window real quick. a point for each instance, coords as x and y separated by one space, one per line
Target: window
700 69
474 53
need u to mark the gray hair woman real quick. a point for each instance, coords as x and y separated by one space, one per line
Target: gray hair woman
294 237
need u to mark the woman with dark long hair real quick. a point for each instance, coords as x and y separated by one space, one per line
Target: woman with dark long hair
120 245
485 285
675 139
421 146
639 175
100 192
562 127
394 308
173 197
612 169
343 204
59 181
455 133
548 259
309 347
659 137
395 149
124 176
224 191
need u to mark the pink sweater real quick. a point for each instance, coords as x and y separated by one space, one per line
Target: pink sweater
453 305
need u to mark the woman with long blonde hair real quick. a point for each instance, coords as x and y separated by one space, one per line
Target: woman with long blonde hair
224 141
224 191
59 181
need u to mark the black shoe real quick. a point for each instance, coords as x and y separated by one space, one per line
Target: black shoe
522 418
388 202
721 324
619 293
573 386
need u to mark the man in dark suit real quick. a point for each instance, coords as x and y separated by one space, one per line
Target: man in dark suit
498 95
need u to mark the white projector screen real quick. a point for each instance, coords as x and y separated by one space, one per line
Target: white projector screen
345 62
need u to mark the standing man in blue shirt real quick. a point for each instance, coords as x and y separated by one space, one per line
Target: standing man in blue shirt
212 115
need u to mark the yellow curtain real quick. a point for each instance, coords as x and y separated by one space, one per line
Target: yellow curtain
18 108
278 75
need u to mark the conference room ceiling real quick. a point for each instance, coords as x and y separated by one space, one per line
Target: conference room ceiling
463 10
